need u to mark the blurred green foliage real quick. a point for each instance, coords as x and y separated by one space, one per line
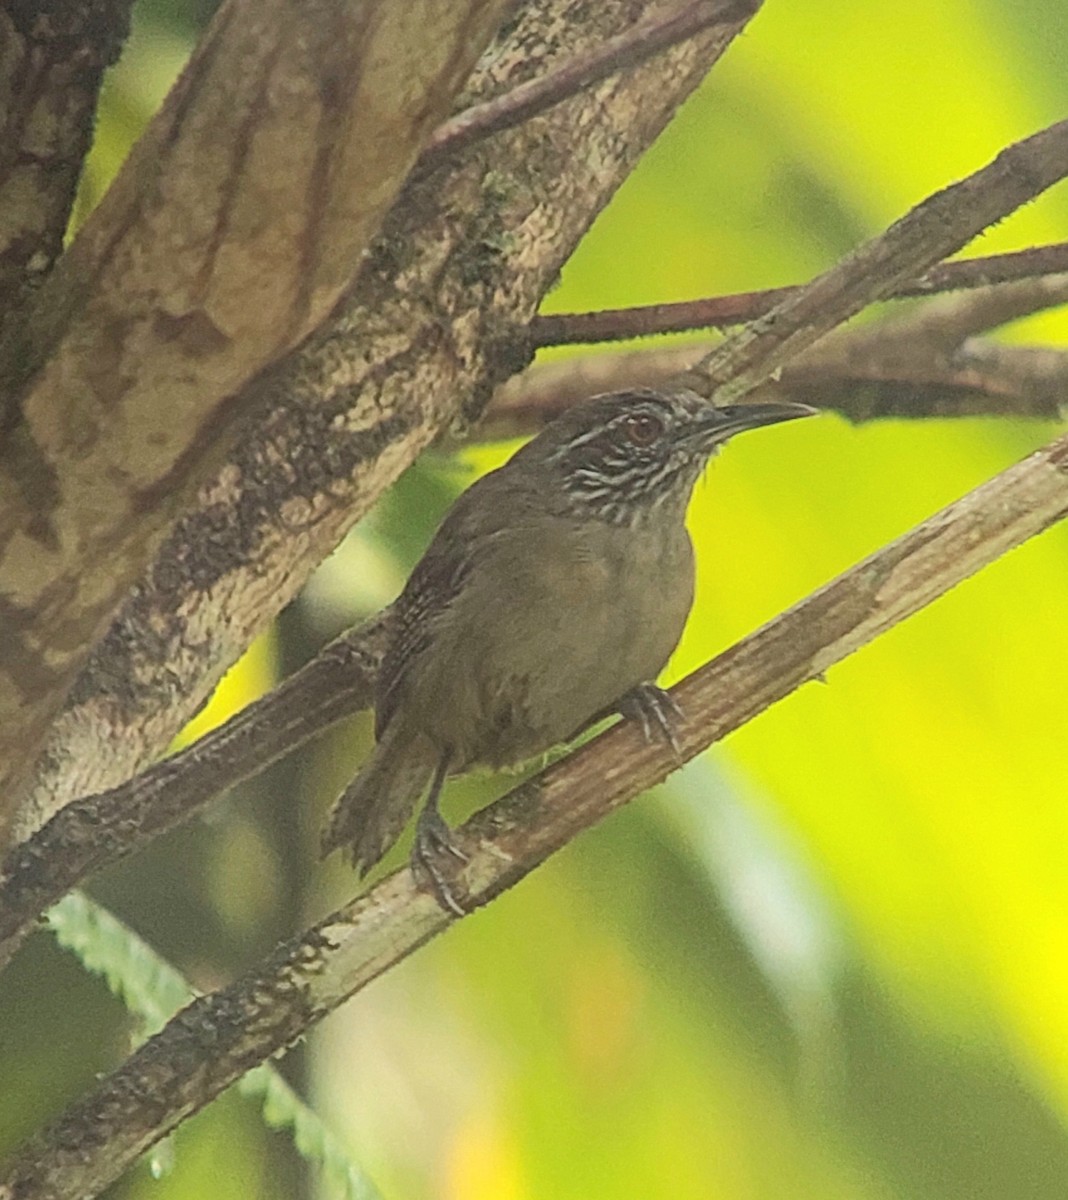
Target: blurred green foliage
827 960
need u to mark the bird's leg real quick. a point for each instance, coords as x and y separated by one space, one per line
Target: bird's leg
434 838
655 710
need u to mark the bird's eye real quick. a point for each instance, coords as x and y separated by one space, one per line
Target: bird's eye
643 428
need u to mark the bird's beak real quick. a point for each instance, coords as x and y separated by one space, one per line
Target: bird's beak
723 422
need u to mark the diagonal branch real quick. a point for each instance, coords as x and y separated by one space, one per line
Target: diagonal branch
221 1036
527 99
58 857
266 173
923 363
941 225
717 312
435 318
100 830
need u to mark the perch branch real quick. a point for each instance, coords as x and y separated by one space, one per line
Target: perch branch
219 1037
755 354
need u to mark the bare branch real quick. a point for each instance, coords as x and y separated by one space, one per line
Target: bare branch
718 312
596 63
926 362
52 60
97 831
922 363
221 1036
265 174
983 379
944 322
941 225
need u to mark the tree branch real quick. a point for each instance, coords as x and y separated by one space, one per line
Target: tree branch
100 830
221 1036
52 60
928 362
942 224
265 173
718 312
924 231
435 319
627 49
984 379
923 363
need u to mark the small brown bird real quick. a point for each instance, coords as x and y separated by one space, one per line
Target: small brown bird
552 595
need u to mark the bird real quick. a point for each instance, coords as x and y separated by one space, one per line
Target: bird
551 596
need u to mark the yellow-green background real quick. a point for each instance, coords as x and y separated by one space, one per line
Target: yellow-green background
830 958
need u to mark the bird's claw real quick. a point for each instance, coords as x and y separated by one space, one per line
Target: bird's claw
656 710
433 840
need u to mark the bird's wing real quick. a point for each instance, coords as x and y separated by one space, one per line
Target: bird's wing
467 536
431 588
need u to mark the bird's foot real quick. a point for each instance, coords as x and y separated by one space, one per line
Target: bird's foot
433 842
656 711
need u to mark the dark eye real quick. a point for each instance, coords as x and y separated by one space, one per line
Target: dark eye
643 428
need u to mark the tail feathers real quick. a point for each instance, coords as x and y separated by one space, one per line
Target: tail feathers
373 810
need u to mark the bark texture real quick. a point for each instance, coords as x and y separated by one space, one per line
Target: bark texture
436 317
230 233
52 59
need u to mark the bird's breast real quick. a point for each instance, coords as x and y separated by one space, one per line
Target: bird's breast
551 630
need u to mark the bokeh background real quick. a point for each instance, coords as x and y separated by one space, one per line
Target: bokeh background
829 958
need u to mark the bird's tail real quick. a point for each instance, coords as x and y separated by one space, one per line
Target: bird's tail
373 810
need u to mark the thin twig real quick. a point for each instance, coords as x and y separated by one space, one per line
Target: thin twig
941 225
925 362
219 1037
982 378
536 95
719 312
